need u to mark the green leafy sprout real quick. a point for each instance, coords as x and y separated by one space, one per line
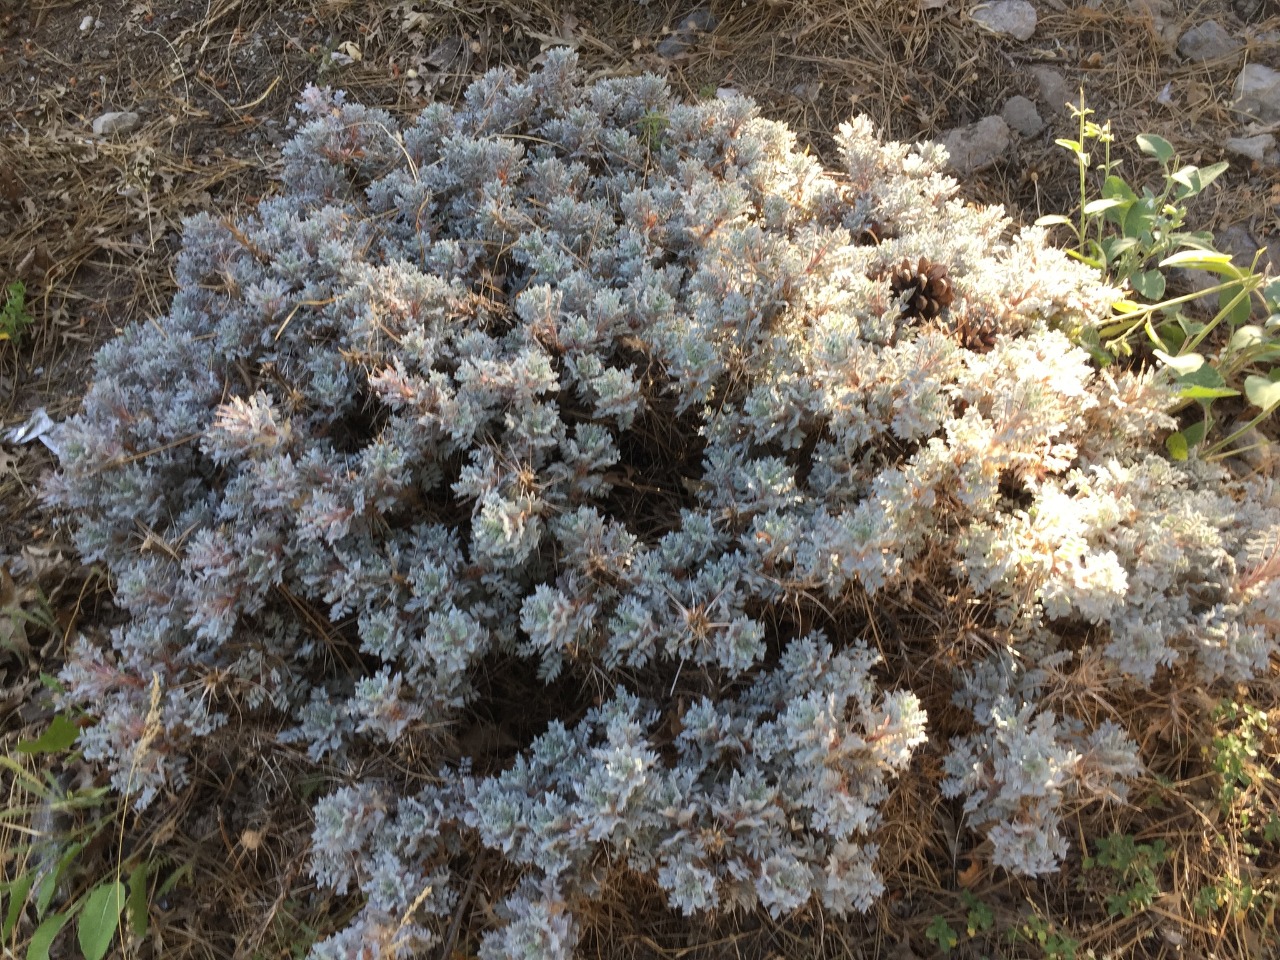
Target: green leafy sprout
1134 238
1134 868
979 919
942 934
1235 751
50 875
14 316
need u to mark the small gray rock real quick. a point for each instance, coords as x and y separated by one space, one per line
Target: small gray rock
1250 10
1237 241
1162 25
1242 244
1257 93
116 122
1054 92
1260 148
976 146
1021 114
1007 18
1255 449
1208 41
692 25
1190 281
674 45
807 92
699 20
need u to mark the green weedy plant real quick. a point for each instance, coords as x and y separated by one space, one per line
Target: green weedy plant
1235 751
979 919
1247 793
1250 824
1039 932
942 934
1136 238
1238 898
1134 870
14 317
50 875
652 126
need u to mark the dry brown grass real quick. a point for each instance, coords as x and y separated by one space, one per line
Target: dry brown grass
91 227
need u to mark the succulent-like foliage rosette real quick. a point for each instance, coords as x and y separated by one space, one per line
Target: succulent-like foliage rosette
578 388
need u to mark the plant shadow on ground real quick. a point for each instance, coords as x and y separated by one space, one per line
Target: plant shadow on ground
91 227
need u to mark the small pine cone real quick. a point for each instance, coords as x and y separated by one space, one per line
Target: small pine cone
974 333
925 287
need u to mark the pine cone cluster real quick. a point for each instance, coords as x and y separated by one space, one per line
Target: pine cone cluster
925 286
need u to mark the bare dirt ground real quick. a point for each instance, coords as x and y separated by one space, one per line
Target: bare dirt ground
90 224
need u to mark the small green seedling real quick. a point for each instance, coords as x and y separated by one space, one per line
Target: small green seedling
979 919
942 934
14 317
1054 944
1134 869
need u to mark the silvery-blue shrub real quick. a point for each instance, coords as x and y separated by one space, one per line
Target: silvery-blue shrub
578 384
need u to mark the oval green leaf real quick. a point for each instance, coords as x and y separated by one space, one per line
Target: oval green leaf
99 919
1204 259
18 891
1194 392
1234 308
1189 177
1271 294
1113 247
1195 433
1249 335
1184 365
138 910
1137 222
1173 336
1180 444
1212 172
1051 219
1219 263
1262 392
1195 240
1204 383
49 885
1155 146
1115 187
1101 206
57 737
1148 283
42 939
